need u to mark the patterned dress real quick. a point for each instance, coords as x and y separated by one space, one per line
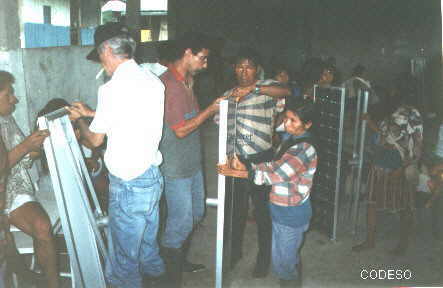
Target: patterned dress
403 131
19 187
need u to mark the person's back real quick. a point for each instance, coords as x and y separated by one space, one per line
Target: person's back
136 114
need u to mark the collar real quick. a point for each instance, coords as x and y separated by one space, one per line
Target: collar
124 67
177 75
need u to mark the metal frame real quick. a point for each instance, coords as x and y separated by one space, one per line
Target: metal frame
335 202
71 181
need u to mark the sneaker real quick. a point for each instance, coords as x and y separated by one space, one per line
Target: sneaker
191 267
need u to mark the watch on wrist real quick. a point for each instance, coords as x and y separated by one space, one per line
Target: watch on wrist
257 89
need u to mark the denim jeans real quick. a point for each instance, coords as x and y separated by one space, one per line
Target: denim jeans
185 199
132 231
286 242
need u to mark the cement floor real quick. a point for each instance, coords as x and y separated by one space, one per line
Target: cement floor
326 263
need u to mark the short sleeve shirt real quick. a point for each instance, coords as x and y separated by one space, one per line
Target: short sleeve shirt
182 157
130 110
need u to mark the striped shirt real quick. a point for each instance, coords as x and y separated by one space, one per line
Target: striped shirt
251 121
290 177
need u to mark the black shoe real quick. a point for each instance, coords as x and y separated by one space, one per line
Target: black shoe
260 271
191 267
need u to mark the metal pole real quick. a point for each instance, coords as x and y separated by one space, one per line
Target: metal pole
355 149
222 139
339 152
360 161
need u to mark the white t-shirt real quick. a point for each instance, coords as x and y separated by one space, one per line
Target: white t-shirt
130 111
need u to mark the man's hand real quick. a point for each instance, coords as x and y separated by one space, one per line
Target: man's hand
236 164
215 106
225 170
78 110
34 141
239 92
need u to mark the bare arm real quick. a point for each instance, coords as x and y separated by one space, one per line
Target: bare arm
190 125
78 110
32 143
275 91
92 139
269 90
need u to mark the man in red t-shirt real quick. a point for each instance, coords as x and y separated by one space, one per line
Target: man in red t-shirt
182 156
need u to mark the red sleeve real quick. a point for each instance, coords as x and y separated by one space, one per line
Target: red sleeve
175 106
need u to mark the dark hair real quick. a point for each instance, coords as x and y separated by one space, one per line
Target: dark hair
305 110
166 50
358 70
53 105
312 71
194 41
277 68
246 53
6 79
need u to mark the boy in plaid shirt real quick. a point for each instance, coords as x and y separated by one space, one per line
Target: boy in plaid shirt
290 174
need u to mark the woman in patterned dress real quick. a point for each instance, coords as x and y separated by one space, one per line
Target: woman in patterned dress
393 175
21 206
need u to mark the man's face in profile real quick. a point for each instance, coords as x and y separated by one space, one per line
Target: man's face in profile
199 61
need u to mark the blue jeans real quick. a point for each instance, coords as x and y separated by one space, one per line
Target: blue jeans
286 242
132 231
185 199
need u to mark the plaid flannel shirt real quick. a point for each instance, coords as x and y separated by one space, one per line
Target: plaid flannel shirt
291 176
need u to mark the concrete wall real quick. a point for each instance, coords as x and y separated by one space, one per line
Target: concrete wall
32 11
9 25
46 73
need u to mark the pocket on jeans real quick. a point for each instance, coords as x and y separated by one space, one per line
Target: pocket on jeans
144 198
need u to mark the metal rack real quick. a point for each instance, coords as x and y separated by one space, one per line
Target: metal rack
328 132
72 186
